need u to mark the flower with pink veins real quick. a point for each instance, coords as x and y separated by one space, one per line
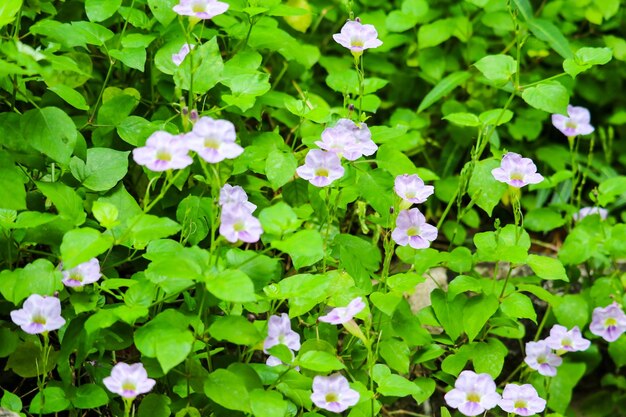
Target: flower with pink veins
279 332
540 357
178 58
129 380
230 194
412 229
213 140
473 393
237 223
561 339
576 124
163 151
321 168
412 189
83 274
39 314
333 393
357 37
341 315
201 9
522 400
517 171
609 322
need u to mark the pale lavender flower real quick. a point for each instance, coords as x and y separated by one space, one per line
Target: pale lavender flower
473 393
348 139
237 223
541 358
279 332
178 58
230 194
608 322
163 151
412 229
568 340
201 9
129 380
341 315
576 124
83 274
333 393
321 168
588 211
522 400
411 188
517 171
357 37
39 314
214 140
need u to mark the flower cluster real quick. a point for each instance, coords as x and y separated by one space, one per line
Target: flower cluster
237 222
473 394
540 355
517 171
279 332
411 227
575 123
213 140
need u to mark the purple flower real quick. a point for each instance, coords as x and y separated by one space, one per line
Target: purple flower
411 188
202 9
576 124
540 357
340 315
279 332
473 393
180 56
517 171
321 168
237 223
412 229
522 400
357 37
333 393
568 340
214 140
83 274
608 322
163 151
230 194
348 139
39 314
589 211
129 380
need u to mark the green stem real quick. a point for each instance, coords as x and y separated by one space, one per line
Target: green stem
543 323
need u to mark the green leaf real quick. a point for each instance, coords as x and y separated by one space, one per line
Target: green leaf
89 396
396 354
134 130
319 361
11 401
548 32
55 401
280 168
489 357
260 268
463 119
562 385
104 168
228 390
547 268
278 220
509 244
518 306
393 385
495 117
483 188
98 10
359 257
231 285
162 10
267 403
71 96
146 228
543 219
235 329
12 191
8 11
207 61
572 310
617 352
8 341
448 312
154 405
524 8
80 245
50 131
497 68
586 58
408 327
131 57
443 88
67 202
40 277
549 96
306 247
476 312
167 338
432 34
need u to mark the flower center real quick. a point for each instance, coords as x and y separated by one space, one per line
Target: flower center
473 397
76 277
358 43
541 359
39 319
239 226
163 155
321 172
211 143
517 176
413 231
128 386
410 194
610 322
198 7
331 397
520 404
566 342
571 125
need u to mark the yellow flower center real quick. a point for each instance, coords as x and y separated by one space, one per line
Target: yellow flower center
473 397
321 172
76 277
357 42
239 226
39 319
163 155
331 397
128 386
520 404
566 342
517 176
571 124
198 7
211 143
610 322
413 231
